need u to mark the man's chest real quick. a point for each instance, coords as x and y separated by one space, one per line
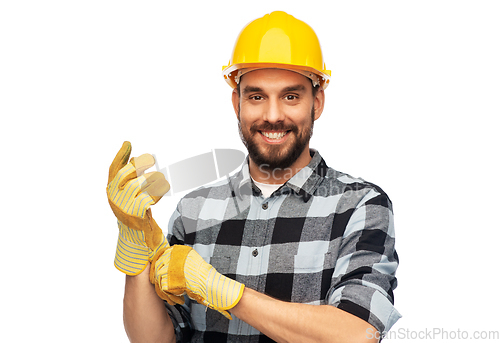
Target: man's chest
287 254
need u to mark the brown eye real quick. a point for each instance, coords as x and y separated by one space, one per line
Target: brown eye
291 97
256 97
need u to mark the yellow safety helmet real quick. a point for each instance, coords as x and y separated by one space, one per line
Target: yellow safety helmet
277 40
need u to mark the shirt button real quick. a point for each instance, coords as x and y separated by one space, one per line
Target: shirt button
264 206
255 253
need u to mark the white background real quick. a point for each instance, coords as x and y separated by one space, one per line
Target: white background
413 106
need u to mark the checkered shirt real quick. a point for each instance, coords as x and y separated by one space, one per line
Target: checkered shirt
324 237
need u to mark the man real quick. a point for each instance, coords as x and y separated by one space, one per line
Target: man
298 252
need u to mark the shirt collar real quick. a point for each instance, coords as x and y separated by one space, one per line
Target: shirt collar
303 183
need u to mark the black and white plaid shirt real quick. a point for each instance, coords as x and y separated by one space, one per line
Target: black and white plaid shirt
324 237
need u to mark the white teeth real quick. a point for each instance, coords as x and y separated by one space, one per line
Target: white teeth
274 135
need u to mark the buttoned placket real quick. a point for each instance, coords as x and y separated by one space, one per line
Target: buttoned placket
262 206
259 255
264 210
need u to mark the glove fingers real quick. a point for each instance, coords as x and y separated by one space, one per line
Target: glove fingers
171 299
120 160
142 163
155 185
178 299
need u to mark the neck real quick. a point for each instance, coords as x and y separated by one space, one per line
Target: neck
279 175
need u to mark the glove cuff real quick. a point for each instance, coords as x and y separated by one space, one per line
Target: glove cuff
225 293
131 255
172 299
209 287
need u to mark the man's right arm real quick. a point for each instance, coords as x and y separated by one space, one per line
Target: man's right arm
144 314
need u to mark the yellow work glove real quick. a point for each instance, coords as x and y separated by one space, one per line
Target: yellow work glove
181 270
130 194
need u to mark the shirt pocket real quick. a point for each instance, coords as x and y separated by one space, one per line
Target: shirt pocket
312 263
301 264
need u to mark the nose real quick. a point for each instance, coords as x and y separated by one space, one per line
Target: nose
274 112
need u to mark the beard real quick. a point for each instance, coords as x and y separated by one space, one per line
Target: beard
279 156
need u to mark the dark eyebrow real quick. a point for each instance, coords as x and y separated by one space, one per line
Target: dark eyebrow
249 89
296 88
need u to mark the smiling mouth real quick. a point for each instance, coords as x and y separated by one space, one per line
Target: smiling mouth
273 135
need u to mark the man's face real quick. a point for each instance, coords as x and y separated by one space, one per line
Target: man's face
276 111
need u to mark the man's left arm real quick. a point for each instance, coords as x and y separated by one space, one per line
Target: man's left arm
294 322
360 301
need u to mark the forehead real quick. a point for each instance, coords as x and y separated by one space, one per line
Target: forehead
274 79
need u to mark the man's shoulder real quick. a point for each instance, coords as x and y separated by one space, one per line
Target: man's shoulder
334 182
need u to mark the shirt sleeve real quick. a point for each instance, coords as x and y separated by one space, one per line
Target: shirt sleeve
181 319
176 230
179 314
364 275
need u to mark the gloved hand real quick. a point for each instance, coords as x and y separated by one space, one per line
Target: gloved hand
130 194
181 270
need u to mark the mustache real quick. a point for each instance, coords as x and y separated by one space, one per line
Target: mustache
273 127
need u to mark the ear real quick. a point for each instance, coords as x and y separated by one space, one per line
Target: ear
235 97
319 102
